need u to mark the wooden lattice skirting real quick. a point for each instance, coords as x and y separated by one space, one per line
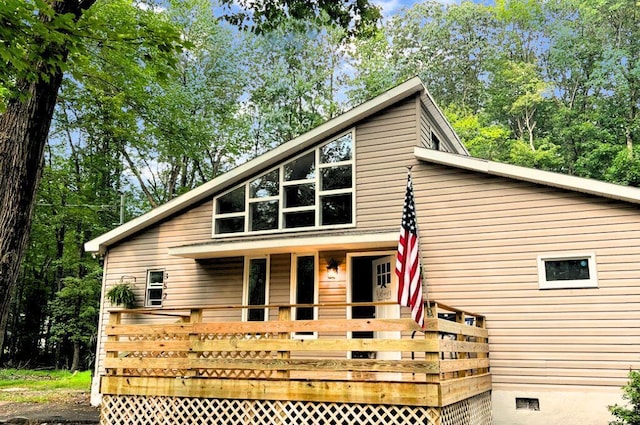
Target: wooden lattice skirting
141 410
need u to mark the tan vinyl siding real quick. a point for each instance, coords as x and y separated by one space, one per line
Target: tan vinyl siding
332 291
279 282
384 150
425 129
480 238
188 283
384 146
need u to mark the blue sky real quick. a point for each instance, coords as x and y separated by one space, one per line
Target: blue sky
391 7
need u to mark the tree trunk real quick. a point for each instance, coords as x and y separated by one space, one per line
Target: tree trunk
23 134
75 363
24 128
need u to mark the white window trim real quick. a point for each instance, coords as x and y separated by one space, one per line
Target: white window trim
294 286
592 282
245 285
148 285
281 210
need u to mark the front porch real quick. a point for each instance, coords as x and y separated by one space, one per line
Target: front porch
295 371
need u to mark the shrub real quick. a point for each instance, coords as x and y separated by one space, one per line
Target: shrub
630 414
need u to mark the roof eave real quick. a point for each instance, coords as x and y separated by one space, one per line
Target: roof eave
547 178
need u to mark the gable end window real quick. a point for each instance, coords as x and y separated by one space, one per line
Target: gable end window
567 271
312 190
154 293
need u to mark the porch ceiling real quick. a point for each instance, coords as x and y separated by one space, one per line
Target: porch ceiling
228 248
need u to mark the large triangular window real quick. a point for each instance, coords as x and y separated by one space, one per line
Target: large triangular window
312 190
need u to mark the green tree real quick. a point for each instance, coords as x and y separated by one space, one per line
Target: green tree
74 314
376 68
516 95
295 80
448 46
170 133
47 37
44 38
488 141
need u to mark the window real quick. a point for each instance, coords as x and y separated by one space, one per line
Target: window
256 288
264 201
155 288
303 290
314 189
527 404
230 209
565 271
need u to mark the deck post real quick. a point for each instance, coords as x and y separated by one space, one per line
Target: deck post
433 337
115 318
461 355
284 315
481 322
195 316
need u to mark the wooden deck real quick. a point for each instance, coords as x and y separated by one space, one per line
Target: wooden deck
443 364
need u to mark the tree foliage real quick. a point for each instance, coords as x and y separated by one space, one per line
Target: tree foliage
151 106
560 77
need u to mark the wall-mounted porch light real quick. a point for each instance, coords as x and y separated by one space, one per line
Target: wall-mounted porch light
332 269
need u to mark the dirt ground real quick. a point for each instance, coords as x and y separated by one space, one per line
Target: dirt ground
72 409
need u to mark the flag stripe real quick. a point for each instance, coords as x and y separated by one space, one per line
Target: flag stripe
408 260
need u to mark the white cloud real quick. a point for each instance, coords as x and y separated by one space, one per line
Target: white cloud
146 5
390 7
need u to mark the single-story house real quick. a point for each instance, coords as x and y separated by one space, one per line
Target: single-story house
267 294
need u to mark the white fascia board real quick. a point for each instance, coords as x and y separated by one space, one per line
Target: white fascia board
548 178
335 125
278 245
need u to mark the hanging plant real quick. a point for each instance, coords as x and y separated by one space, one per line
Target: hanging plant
122 294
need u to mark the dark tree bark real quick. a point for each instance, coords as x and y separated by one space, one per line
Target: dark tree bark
75 362
24 128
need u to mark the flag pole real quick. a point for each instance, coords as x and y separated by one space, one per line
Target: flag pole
422 268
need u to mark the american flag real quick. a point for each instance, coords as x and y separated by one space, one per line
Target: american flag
408 262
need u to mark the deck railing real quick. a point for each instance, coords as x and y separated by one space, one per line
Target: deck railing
286 359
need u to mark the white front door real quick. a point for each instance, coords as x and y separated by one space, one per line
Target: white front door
385 288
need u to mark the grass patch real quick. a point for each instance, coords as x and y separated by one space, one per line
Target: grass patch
39 386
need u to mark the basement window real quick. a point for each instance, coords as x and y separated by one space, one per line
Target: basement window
567 271
527 403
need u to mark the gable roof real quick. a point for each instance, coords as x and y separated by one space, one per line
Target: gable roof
335 125
547 178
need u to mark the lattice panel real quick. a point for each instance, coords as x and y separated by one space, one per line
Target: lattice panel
480 409
140 410
211 373
472 411
236 373
161 337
